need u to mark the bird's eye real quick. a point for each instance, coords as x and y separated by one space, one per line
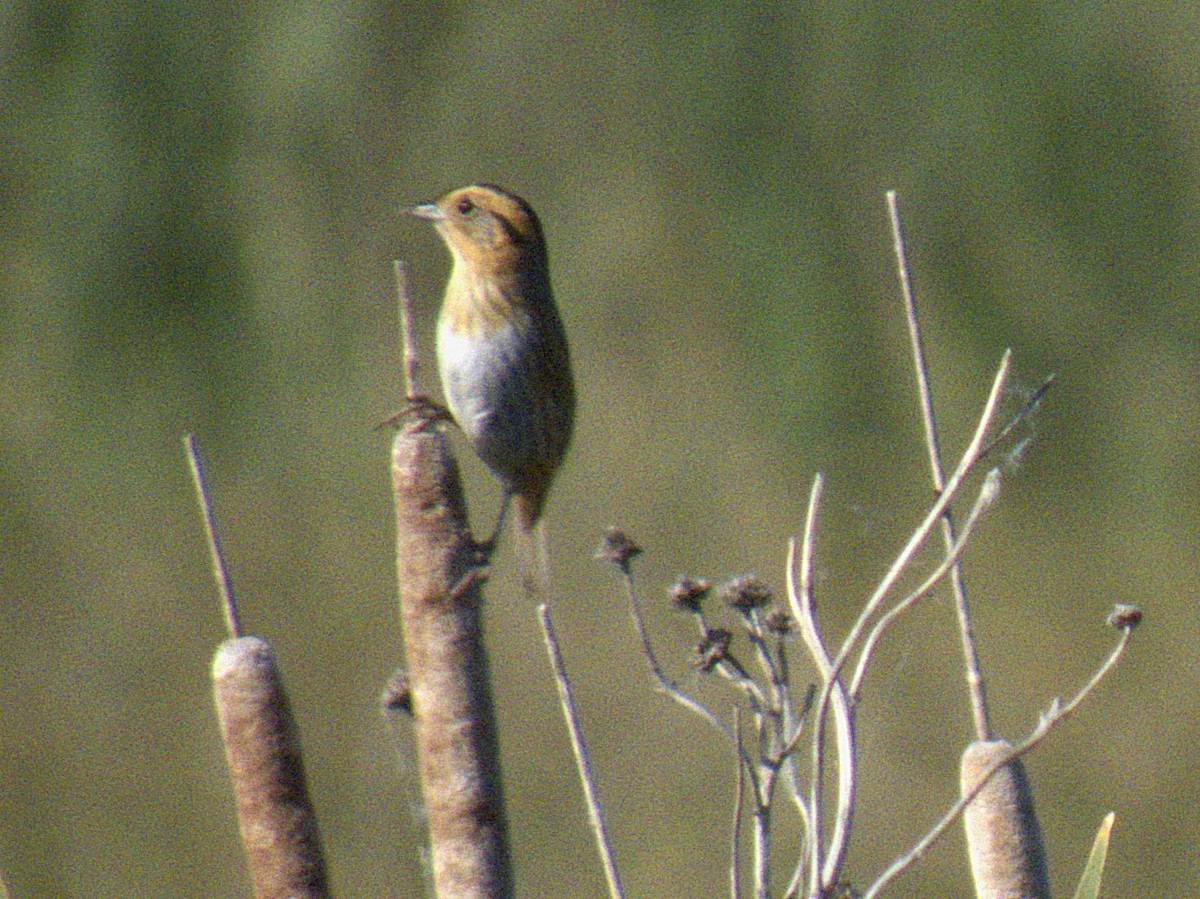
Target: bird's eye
465 206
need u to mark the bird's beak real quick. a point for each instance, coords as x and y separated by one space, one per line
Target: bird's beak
431 212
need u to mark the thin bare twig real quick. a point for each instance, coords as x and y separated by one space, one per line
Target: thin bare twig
987 495
798 796
586 774
947 495
408 338
975 682
766 662
800 593
233 620
665 686
739 801
762 834
924 394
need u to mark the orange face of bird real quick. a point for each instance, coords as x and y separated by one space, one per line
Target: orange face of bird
488 229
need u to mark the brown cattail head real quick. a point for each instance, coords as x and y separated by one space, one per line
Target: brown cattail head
262 746
1004 840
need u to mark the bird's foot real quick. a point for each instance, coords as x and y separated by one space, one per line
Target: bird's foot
421 408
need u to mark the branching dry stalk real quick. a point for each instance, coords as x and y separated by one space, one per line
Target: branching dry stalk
823 875
987 495
1007 834
775 720
778 729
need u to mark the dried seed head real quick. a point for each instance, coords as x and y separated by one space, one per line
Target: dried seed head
688 593
1125 617
712 649
617 548
779 621
745 593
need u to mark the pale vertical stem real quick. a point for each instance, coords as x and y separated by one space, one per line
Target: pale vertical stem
739 798
583 761
975 683
407 338
216 555
825 862
762 834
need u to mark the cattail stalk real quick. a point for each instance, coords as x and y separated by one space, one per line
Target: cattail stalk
439 573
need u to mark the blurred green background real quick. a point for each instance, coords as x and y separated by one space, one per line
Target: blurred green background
198 215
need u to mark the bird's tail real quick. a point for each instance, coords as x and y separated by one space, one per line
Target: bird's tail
533 558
